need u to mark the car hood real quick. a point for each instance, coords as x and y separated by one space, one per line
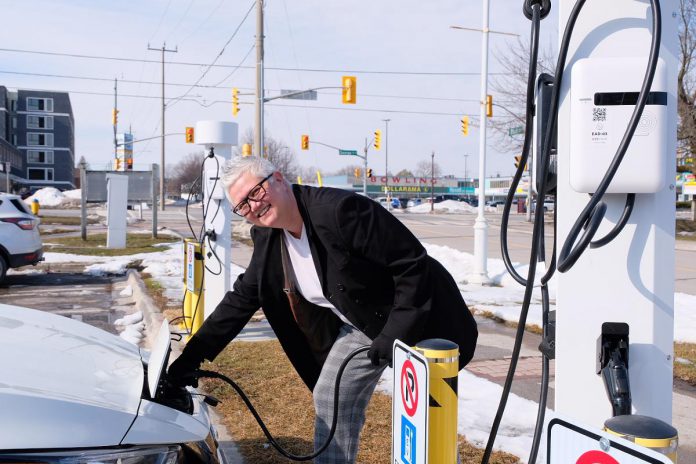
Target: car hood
64 384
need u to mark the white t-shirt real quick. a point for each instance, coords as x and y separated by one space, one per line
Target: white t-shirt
308 283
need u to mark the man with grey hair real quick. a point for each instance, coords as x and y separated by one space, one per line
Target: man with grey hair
333 271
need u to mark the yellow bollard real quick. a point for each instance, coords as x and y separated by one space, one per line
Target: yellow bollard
443 362
35 207
186 320
197 296
646 431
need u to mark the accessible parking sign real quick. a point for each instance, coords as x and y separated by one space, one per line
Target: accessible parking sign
409 406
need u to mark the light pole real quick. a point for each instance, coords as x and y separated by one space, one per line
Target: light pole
432 181
480 274
386 160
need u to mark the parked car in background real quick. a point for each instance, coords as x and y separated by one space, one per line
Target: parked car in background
549 206
20 242
413 202
73 393
495 203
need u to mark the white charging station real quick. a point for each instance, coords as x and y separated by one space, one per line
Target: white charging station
631 279
220 136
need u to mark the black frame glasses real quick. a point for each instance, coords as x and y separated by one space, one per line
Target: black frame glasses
257 193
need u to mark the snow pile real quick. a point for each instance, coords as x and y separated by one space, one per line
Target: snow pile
133 327
50 196
126 292
447 206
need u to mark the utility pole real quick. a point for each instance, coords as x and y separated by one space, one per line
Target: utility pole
365 169
258 134
115 118
386 160
432 181
480 274
8 166
163 49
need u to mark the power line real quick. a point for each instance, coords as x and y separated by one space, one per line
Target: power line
271 68
218 86
210 66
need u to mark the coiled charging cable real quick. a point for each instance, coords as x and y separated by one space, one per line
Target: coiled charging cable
276 445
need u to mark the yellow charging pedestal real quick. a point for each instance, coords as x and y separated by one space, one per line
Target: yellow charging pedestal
35 207
646 431
443 363
193 276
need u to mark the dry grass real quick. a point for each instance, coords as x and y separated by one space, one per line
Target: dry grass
96 245
285 404
685 225
65 220
686 369
533 328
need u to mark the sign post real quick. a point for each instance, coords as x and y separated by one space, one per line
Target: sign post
409 406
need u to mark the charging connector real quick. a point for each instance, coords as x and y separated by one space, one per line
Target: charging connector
612 365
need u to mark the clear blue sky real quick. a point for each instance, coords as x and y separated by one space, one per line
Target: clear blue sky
397 50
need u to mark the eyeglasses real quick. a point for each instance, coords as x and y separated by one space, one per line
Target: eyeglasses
257 193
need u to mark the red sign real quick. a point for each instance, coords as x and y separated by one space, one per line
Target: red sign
409 388
596 457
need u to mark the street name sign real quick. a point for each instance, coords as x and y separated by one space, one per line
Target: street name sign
348 152
409 406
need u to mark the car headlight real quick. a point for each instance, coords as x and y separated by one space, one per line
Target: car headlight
130 455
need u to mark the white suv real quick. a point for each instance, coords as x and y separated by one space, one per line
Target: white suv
20 242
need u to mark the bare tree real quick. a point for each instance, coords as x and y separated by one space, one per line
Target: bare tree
347 170
686 91
425 167
510 90
404 173
277 153
183 177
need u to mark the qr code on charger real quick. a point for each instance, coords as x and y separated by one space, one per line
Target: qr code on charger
599 114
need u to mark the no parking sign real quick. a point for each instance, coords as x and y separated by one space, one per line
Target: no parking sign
409 406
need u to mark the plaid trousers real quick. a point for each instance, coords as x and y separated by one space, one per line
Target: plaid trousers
357 385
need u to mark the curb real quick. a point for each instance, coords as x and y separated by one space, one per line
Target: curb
151 314
153 320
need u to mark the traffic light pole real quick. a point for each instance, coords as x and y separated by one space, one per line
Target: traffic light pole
258 134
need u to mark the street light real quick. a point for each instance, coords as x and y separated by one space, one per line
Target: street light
386 160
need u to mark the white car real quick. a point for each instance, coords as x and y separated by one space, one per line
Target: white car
75 394
20 242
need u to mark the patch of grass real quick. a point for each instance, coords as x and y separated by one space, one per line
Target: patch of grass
533 328
267 377
65 220
54 231
156 291
96 245
685 371
686 225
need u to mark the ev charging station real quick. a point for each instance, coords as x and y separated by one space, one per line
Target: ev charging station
631 279
217 137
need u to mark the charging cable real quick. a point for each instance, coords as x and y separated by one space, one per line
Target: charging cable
276 445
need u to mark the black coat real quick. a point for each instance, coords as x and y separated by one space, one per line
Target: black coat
371 268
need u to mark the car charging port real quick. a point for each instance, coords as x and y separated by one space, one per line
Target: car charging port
612 365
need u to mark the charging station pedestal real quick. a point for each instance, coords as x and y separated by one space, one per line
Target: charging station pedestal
220 136
630 280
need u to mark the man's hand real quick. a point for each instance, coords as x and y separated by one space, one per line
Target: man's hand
182 371
381 348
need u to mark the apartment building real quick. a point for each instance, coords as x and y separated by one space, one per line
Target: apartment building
39 130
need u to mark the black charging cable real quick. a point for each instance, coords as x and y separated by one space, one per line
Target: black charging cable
276 445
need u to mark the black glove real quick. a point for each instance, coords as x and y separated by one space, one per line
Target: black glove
182 371
381 348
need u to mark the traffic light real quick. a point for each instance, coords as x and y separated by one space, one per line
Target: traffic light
348 85
189 135
378 139
356 172
518 160
489 106
235 101
114 116
305 142
246 149
129 164
465 125
117 164
369 172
